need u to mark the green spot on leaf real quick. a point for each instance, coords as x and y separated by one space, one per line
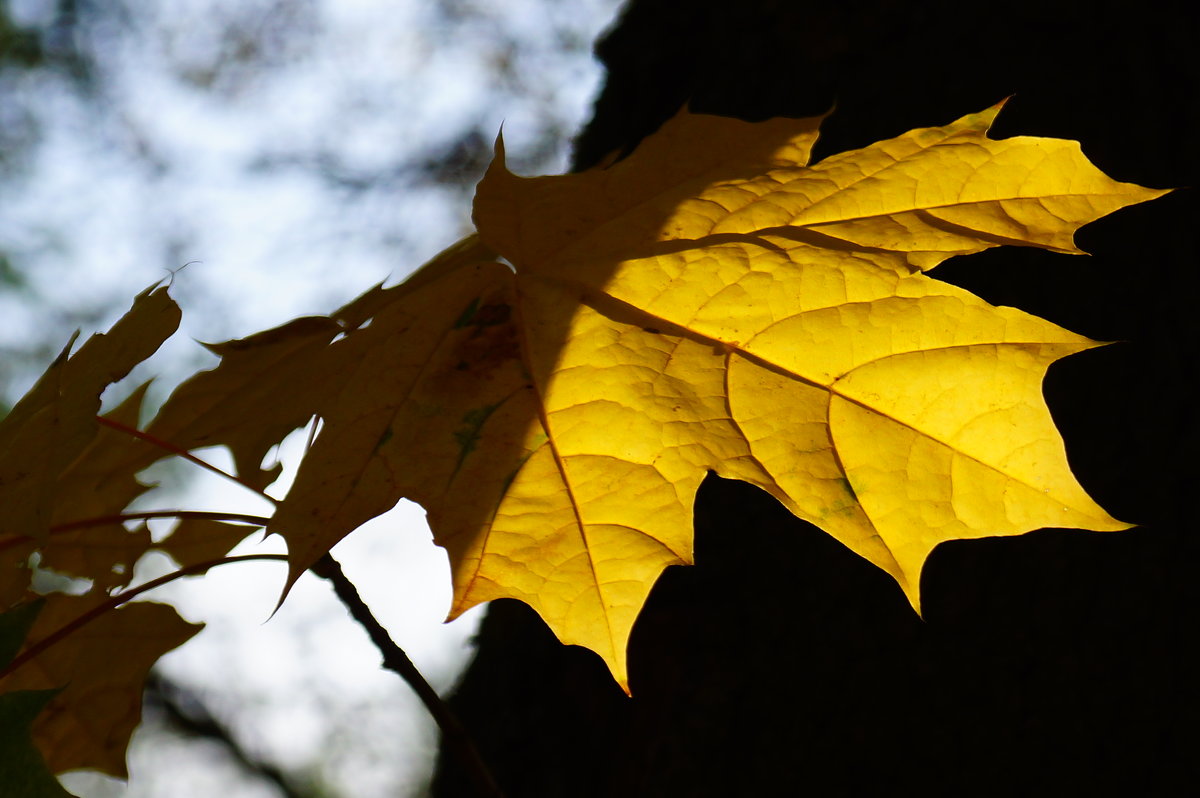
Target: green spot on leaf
468 434
467 315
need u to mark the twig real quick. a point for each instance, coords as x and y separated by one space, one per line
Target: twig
185 712
112 602
167 446
394 659
203 515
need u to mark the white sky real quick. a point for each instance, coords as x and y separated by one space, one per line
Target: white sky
193 155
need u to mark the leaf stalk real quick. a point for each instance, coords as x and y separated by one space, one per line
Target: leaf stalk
394 659
112 602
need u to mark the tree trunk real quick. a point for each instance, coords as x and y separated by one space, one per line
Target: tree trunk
784 664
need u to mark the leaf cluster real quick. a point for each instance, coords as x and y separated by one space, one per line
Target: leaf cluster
553 390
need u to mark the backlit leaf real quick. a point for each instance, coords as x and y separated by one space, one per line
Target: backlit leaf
245 403
554 391
101 483
22 769
99 671
194 541
56 421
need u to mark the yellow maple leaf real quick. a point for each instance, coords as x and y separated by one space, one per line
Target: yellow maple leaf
194 541
554 391
101 481
58 465
214 407
101 669
55 423
65 478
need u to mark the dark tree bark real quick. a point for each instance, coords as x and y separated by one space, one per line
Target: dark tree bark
782 663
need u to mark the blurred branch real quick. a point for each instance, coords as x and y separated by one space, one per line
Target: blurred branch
18 46
184 711
394 659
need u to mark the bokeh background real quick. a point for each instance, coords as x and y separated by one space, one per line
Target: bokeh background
272 158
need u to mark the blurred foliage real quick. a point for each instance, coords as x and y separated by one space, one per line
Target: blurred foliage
45 44
19 47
